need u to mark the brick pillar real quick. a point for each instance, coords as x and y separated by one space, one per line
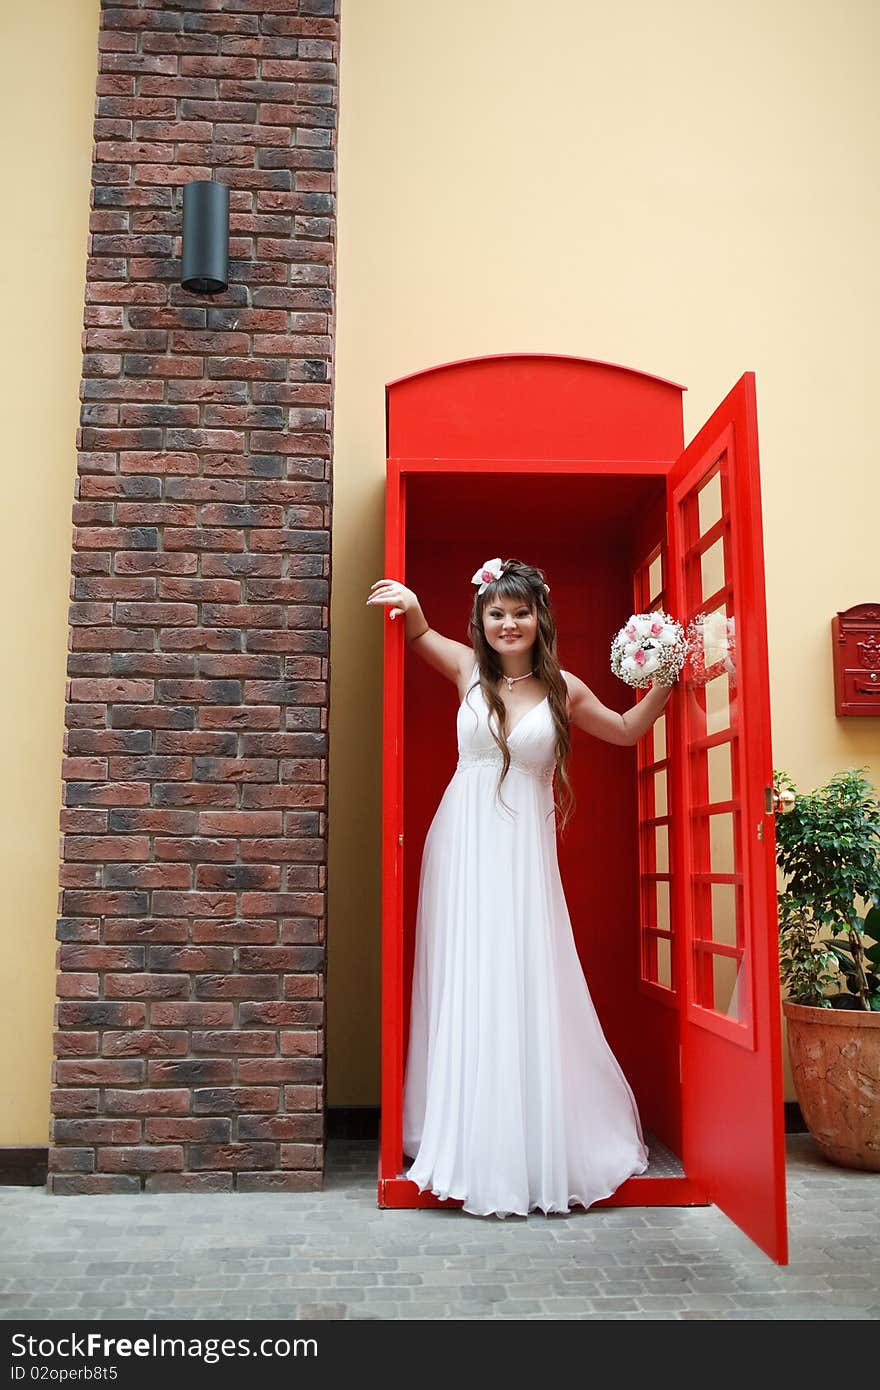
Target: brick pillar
190 1022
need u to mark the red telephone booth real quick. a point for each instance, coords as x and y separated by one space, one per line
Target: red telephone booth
669 861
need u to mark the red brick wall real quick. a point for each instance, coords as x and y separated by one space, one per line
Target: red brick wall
190 1022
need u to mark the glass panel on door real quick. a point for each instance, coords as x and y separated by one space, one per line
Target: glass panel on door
719 963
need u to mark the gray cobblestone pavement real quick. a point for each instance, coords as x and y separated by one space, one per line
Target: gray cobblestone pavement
335 1254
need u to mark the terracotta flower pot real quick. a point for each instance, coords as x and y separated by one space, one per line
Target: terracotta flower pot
835 1060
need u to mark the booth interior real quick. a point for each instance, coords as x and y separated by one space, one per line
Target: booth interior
600 540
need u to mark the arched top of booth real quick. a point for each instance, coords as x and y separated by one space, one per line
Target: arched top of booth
534 406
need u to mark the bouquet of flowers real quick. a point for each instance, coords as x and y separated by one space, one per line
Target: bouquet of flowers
651 647
711 647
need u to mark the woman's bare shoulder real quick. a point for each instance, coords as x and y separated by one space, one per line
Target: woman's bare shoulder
573 682
575 686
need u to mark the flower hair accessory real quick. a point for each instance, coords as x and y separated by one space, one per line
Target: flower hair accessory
489 571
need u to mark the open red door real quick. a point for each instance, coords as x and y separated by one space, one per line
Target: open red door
724 852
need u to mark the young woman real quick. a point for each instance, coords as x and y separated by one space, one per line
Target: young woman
513 1099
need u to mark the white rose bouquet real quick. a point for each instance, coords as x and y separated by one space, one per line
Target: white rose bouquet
650 648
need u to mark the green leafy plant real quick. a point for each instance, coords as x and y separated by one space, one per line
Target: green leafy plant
828 848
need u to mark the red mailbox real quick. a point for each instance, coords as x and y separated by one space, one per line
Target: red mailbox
668 865
855 641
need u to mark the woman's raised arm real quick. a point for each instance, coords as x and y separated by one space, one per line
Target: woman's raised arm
452 659
588 713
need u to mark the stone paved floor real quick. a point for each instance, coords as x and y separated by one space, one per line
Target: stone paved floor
334 1254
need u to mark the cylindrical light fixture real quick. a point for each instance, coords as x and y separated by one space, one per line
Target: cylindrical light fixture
205 260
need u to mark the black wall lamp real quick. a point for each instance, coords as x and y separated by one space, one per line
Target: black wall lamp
205 259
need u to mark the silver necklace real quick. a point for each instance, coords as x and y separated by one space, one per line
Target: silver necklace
511 680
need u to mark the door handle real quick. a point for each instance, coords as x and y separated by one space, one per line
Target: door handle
778 800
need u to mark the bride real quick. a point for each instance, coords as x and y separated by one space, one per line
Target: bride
513 1099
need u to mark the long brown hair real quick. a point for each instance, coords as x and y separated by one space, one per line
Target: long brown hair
526 583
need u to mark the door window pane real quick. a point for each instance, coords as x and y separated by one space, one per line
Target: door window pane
721 851
718 768
712 651
709 502
663 915
718 704
655 578
726 972
712 568
724 913
664 961
661 848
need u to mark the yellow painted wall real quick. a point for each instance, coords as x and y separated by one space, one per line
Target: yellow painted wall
48 61
689 189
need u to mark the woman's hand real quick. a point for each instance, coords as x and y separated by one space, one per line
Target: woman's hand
453 659
391 591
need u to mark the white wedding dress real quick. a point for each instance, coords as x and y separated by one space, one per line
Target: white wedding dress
513 1099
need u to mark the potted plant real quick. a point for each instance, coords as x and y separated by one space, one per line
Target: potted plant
828 848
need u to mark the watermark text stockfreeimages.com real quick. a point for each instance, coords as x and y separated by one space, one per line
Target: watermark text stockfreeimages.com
97 1346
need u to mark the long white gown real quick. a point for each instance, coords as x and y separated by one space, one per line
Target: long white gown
513 1099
